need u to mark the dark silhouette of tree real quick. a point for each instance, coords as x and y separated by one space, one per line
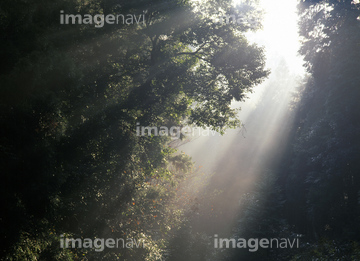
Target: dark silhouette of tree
71 96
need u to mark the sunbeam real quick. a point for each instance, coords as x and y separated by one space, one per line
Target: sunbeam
180 130
239 157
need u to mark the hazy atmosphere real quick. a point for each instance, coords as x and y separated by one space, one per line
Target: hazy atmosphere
180 130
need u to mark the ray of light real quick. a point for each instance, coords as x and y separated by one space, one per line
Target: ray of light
238 161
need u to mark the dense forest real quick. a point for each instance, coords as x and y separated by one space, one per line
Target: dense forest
74 166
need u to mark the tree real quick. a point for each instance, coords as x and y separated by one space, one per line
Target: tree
321 181
71 97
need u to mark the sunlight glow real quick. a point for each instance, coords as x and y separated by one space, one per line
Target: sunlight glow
280 40
240 157
279 34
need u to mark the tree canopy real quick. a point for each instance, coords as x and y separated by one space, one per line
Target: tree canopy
71 95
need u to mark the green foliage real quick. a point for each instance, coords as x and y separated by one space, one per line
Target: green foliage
71 96
326 249
319 170
40 247
261 209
